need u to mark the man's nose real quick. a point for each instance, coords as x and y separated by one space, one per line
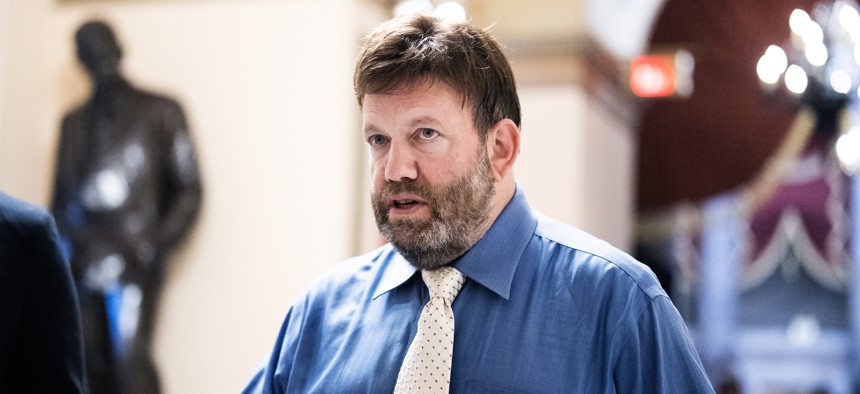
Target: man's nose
400 164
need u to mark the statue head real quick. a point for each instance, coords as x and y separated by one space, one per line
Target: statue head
98 50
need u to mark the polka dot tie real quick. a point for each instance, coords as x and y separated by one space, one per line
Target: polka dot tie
427 365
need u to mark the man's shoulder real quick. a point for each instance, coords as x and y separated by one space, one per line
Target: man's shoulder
23 228
359 264
18 214
595 257
353 274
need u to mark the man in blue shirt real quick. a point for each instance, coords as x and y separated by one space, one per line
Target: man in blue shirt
544 308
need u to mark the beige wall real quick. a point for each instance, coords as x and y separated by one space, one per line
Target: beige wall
267 89
576 161
543 19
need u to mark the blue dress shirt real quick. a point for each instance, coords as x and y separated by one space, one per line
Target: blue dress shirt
546 308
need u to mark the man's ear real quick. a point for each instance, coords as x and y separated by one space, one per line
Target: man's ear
503 147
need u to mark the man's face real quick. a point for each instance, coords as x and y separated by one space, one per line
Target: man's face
432 182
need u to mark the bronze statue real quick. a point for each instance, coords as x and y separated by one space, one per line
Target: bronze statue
126 192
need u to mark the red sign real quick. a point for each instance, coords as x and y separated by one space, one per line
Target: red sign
653 76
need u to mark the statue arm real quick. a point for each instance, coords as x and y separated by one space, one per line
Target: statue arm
63 188
183 184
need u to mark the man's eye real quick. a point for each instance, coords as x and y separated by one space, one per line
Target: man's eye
428 133
376 140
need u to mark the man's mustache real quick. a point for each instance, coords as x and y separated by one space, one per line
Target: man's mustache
408 186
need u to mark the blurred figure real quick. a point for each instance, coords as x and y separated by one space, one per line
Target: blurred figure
41 350
126 192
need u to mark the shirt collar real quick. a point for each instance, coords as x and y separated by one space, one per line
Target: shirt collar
491 262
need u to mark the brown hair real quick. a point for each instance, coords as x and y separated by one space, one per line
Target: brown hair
405 52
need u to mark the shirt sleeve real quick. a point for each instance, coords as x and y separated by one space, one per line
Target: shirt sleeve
657 356
273 376
255 385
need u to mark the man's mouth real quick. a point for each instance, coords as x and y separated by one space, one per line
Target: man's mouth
403 204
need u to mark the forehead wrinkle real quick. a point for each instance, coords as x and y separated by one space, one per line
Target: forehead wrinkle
426 120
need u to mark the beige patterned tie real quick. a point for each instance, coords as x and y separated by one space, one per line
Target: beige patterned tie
427 365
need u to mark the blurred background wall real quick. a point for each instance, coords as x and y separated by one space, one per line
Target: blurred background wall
269 100
266 86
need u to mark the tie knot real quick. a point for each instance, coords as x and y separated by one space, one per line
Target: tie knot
444 282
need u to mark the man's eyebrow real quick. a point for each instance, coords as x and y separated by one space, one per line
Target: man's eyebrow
369 128
425 120
420 121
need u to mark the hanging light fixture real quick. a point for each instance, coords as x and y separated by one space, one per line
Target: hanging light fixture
820 64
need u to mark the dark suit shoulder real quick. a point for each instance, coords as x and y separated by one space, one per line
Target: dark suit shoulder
160 108
73 121
40 329
19 218
76 113
156 99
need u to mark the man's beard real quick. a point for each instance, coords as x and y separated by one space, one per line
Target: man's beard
458 216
